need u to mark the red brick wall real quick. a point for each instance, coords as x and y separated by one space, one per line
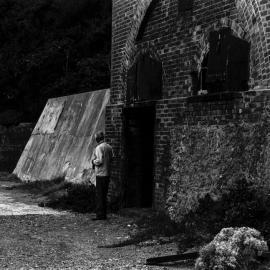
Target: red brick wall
180 41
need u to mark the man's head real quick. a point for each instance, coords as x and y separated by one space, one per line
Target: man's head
99 136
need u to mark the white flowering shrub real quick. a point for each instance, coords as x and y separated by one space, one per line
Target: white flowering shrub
232 248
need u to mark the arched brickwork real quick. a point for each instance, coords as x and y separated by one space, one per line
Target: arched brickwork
251 14
251 26
152 52
130 48
203 40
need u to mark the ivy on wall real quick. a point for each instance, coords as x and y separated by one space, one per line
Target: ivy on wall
209 161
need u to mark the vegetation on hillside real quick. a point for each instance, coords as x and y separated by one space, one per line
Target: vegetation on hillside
50 48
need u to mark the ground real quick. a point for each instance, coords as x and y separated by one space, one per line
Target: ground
34 237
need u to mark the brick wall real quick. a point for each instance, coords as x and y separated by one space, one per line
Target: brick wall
216 144
114 130
179 39
211 110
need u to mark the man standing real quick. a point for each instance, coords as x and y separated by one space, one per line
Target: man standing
101 162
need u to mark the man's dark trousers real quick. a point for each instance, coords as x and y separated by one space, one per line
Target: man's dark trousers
102 185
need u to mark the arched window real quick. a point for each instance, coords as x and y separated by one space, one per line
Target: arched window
226 66
144 79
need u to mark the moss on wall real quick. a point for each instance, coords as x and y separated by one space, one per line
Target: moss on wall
209 160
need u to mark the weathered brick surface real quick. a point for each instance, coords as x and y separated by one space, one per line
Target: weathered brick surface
179 39
114 130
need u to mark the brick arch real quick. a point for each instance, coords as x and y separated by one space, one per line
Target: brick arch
130 48
153 53
243 31
250 14
203 43
203 40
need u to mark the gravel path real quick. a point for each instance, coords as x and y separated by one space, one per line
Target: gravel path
33 237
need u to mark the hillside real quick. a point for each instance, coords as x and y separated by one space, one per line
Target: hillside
50 48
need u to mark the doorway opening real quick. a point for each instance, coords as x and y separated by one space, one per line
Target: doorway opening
139 152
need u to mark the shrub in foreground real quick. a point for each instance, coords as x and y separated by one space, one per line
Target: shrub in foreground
233 248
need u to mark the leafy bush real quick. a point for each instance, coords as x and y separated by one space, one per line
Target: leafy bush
210 160
78 198
220 177
240 205
58 193
51 48
233 248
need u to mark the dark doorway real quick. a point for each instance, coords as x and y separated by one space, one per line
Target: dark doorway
139 150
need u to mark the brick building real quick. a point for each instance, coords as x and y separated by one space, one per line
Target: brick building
178 62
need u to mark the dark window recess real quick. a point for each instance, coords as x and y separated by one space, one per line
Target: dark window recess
185 5
226 66
145 20
144 81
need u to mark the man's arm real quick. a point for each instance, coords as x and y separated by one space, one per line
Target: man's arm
98 157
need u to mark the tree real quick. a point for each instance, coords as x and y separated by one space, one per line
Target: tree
50 48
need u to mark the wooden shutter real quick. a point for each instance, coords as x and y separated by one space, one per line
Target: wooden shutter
238 64
132 83
228 62
217 60
149 80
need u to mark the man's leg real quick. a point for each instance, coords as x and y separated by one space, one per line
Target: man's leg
102 183
105 193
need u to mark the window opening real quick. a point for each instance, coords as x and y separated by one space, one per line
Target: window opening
144 81
226 66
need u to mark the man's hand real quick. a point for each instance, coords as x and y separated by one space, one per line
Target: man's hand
93 164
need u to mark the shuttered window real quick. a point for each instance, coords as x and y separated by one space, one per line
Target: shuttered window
226 67
144 80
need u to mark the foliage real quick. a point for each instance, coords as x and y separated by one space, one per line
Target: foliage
60 194
219 177
232 248
78 197
209 161
50 48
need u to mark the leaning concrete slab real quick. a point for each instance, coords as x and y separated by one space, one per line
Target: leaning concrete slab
62 141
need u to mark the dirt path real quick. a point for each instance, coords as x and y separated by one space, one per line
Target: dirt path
33 237
14 202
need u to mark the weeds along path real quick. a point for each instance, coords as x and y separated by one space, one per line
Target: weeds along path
16 202
34 237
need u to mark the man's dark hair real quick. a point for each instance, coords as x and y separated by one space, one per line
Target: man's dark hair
99 136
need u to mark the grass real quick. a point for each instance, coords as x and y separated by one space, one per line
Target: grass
60 194
77 197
